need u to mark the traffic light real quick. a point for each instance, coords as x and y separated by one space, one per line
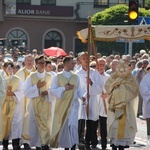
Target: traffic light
133 12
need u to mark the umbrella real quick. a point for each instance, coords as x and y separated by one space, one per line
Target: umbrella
55 51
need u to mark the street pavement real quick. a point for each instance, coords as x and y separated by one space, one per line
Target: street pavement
140 139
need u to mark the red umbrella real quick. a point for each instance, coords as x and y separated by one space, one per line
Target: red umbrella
55 51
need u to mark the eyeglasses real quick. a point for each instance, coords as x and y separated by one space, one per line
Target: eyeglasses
41 63
93 66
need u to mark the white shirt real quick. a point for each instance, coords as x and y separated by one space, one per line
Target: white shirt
102 112
94 90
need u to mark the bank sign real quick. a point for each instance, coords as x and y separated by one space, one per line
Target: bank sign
42 10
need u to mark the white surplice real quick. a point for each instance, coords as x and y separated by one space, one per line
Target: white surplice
32 92
94 90
68 139
25 109
145 93
16 125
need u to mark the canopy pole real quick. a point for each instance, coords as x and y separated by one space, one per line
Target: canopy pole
88 61
97 66
94 47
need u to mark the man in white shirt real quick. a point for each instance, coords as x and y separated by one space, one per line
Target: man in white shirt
48 67
103 104
95 88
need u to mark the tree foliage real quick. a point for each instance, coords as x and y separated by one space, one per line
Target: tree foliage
115 15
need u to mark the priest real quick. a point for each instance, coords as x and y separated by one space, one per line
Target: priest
36 89
66 88
11 112
23 73
121 89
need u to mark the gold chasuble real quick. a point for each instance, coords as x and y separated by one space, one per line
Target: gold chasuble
62 107
8 108
121 88
42 109
25 127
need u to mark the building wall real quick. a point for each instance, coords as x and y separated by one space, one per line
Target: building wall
1 11
36 30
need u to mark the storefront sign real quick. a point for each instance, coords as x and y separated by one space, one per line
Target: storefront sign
62 11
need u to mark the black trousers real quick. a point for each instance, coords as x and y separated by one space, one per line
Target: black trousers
72 148
81 130
103 131
148 125
91 132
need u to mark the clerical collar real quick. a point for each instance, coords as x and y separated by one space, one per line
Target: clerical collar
41 75
29 70
67 74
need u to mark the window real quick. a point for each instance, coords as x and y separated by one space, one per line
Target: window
53 38
48 2
17 38
99 3
23 1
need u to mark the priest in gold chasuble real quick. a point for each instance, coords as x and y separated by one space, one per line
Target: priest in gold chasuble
11 110
36 89
23 73
65 86
2 97
121 88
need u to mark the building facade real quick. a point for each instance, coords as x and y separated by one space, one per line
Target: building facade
40 24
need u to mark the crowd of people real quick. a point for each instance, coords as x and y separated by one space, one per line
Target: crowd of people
67 102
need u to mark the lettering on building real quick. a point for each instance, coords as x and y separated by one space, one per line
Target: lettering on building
26 12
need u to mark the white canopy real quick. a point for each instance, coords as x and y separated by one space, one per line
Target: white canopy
113 33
